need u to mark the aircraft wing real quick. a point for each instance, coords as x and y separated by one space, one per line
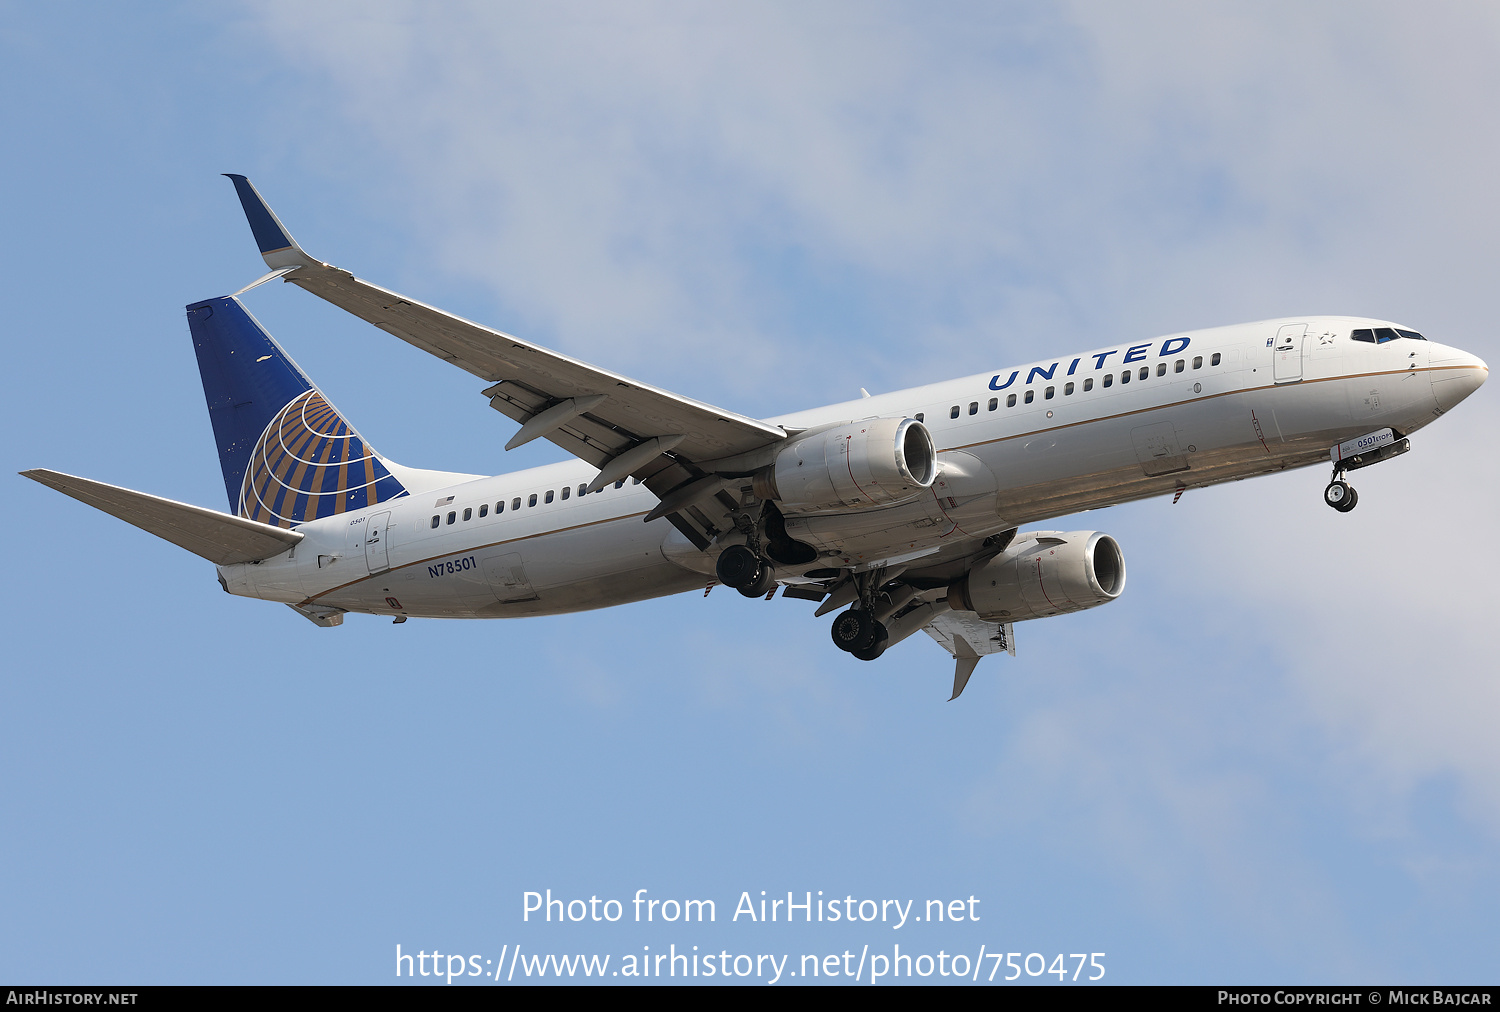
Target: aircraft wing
620 425
217 537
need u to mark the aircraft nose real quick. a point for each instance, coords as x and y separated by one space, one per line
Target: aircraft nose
1455 375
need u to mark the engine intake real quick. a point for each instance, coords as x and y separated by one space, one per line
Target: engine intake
875 462
1043 573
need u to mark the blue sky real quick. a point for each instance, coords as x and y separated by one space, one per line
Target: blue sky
1272 760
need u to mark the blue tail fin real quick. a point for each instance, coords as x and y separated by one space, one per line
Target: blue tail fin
288 455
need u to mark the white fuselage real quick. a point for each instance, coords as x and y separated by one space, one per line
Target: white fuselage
1198 408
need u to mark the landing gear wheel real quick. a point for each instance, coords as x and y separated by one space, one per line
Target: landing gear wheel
737 567
854 630
876 647
1340 496
762 584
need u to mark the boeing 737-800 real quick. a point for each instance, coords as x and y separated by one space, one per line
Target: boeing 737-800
902 512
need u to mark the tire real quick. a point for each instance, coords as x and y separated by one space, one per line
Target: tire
1349 503
877 645
764 581
853 629
737 567
1338 494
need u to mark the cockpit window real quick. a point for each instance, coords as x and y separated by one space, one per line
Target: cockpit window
1380 335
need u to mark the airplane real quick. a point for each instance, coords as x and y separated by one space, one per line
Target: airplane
902 512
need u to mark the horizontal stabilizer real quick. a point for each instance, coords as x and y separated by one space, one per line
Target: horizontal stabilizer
217 537
321 615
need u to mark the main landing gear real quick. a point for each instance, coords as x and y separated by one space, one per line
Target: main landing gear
1340 494
857 632
746 572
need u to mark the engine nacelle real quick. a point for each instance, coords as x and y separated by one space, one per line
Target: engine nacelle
875 462
1043 573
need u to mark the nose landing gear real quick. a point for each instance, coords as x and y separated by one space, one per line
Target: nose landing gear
1340 494
1352 454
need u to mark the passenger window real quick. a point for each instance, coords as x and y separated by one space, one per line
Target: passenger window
532 501
452 517
953 411
435 521
566 491
973 407
1179 366
1125 376
620 483
635 481
1109 379
1050 392
994 403
919 417
515 503
500 506
1161 368
484 509
1030 396
1010 401
1216 359
1088 384
1068 390
468 514
1197 361
583 489
1145 371
549 495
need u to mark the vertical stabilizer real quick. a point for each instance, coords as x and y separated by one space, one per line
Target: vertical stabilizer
288 456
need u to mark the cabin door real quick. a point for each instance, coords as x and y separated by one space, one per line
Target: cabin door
377 555
1288 352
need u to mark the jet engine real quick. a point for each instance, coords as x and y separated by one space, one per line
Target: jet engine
875 462
1043 573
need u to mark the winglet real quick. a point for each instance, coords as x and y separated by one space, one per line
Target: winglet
966 660
276 244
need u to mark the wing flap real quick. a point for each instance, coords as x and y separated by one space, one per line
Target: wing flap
586 438
980 638
217 537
